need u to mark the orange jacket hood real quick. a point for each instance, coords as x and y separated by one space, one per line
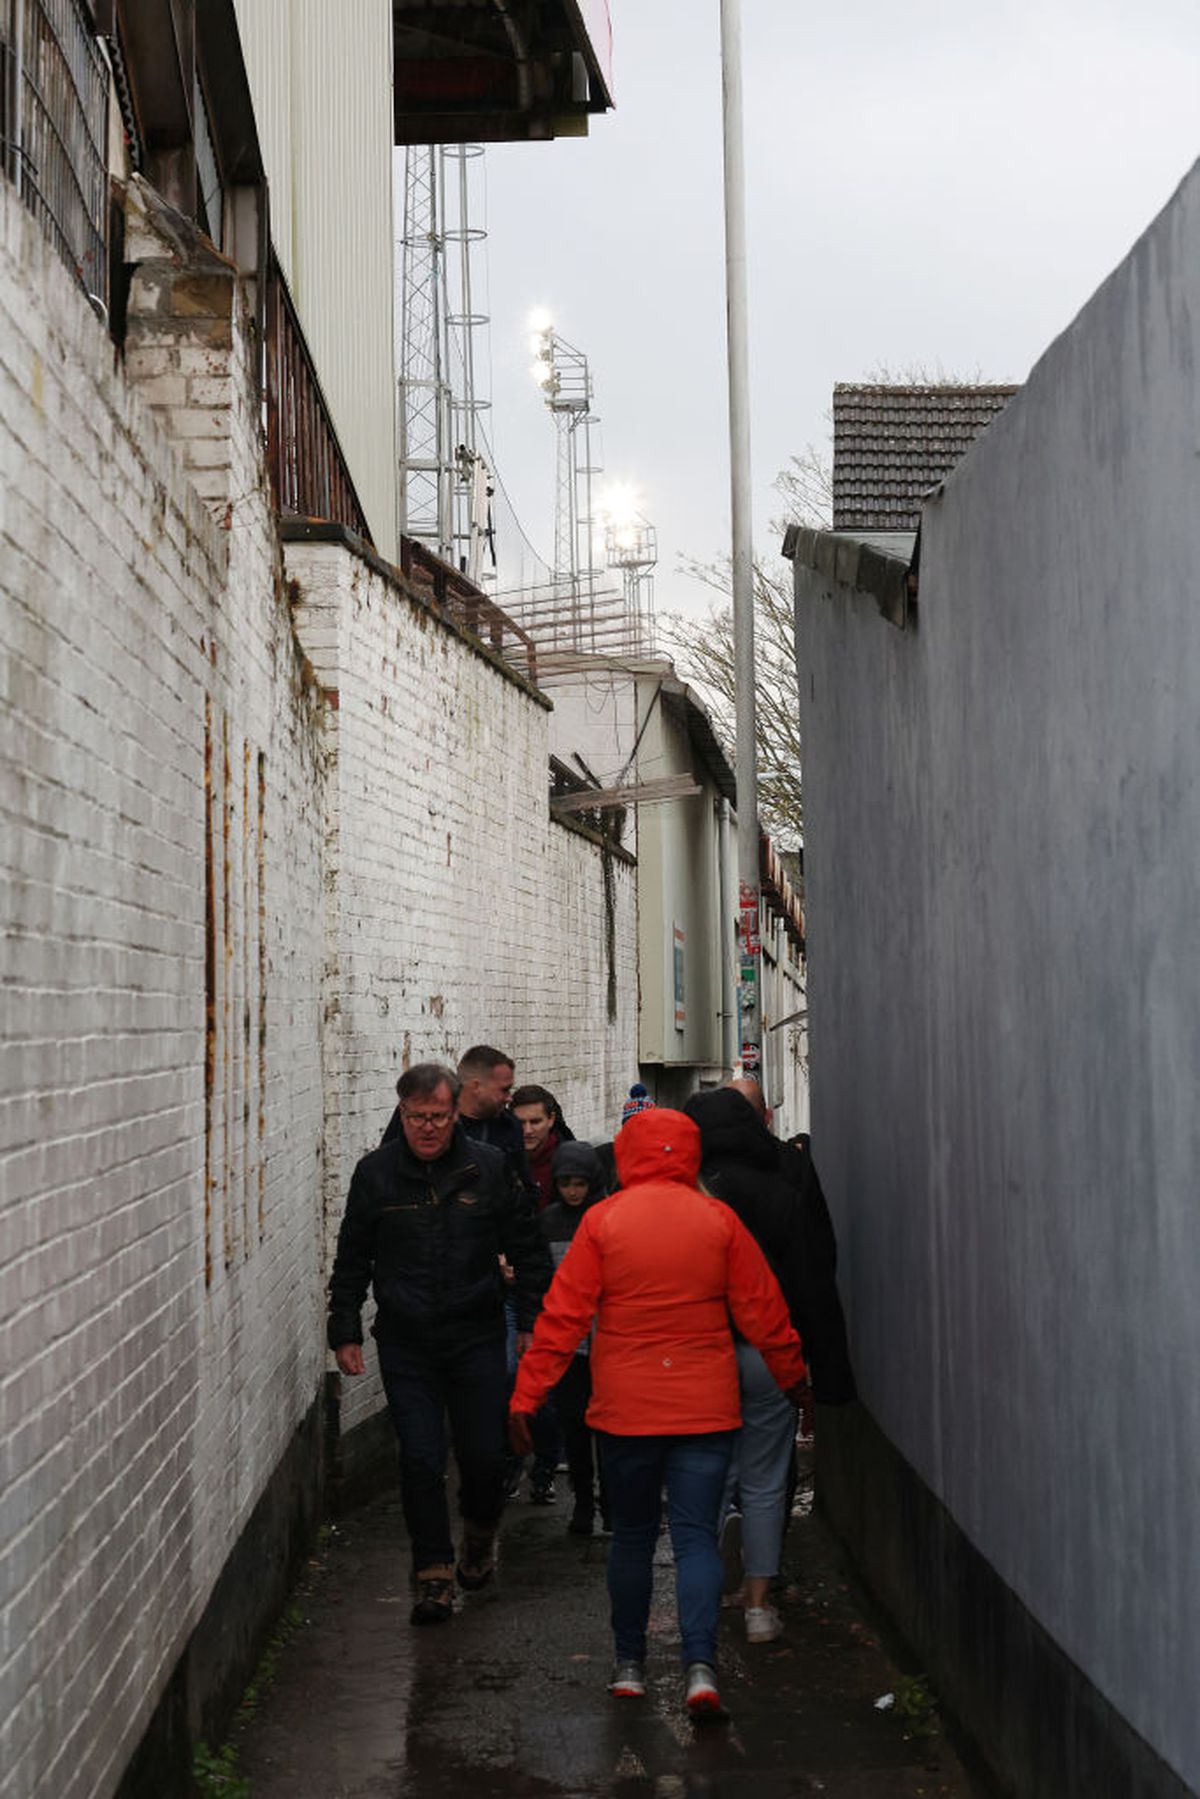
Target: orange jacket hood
657 1145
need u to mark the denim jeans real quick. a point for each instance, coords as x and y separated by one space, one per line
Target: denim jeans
761 1464
463 1378
693 1469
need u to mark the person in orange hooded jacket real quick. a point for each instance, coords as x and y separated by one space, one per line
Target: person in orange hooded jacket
661 1267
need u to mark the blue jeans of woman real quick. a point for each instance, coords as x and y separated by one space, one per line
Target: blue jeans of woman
760 1464
693 1470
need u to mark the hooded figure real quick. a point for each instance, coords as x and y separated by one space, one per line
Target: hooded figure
774 1190
577 1183
560 1221
661 1268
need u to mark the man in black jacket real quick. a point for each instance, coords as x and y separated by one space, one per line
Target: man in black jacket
428 1215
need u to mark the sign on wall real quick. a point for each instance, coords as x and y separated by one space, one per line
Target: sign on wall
680 1004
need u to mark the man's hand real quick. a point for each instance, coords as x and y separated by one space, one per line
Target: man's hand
350 1358
524 1339
520 1433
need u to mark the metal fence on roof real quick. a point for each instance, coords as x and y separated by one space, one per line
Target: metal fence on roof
53 125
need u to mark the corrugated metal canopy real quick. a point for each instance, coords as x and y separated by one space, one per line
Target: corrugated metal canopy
493 71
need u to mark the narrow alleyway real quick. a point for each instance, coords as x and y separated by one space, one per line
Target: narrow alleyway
510 1702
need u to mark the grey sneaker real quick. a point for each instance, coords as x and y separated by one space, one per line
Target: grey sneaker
703 1700
628 1681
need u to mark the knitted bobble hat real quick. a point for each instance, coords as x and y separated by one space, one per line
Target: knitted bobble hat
639 1101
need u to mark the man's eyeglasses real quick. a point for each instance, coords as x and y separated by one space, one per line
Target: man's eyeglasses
426 1121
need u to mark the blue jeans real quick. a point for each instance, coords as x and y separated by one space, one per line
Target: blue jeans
761 1464
693 1469
466 1379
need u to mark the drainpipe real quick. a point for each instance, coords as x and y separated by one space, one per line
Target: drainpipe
728 912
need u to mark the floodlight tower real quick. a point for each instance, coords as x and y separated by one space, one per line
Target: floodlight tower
631 544
444 483
562 372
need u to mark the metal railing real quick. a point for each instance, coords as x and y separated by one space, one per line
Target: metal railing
53 126
308 471
459 599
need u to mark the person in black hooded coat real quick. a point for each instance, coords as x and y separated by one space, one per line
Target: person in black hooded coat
774 1190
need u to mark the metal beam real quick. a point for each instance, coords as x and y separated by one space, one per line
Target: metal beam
645 793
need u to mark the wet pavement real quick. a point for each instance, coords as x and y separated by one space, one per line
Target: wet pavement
509 1701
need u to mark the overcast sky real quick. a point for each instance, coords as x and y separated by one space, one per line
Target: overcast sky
933 183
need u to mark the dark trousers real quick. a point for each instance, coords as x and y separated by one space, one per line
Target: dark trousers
571 1398
546 1433
464 1380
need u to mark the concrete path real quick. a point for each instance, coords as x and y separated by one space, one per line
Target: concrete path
509 1701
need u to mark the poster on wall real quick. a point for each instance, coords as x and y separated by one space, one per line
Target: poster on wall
680 1006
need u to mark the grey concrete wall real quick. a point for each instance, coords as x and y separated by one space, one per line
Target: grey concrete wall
1003 880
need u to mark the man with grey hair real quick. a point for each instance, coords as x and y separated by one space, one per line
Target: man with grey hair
427 1218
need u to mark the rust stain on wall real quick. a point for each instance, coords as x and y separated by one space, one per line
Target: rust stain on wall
262 995
210 989
247 914
226 1000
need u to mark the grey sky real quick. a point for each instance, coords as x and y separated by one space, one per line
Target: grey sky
930 183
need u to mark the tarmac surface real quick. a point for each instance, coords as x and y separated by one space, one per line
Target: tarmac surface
509 1701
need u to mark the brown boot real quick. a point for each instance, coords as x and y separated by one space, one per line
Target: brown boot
477 1560
435 1595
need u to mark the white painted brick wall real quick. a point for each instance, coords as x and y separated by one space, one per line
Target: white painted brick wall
142 1408
460 913
163 1244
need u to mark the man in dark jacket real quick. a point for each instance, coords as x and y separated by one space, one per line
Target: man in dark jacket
427 1218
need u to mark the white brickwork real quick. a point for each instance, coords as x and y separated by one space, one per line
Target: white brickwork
459 913
158 1341
246 880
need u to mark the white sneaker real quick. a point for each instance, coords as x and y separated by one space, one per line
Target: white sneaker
763 1624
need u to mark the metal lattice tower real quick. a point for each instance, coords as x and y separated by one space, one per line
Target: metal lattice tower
444 483
631 544
566 383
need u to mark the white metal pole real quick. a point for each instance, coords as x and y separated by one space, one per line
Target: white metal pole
750 1007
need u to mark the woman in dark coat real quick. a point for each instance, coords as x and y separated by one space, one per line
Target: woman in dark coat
775 1192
